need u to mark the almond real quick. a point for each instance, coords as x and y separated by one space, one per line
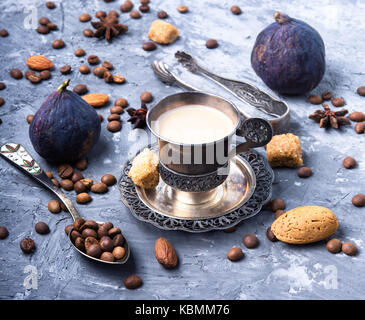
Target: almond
96 100
39 63
165 253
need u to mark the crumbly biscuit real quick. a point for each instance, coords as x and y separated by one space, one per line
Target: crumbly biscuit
163 32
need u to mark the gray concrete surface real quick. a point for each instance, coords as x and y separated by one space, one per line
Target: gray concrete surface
272 271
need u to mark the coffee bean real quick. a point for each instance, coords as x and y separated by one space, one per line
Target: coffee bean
338 102
84 69
78 223
327 95
68 229
45 74
349 162
88 33
44 21
162 14
100 14
99 187
49 174
3 232
107 256
106 244
144 8
28 73
87 182
94 251
89 242
349 248
80 52
54 206
52 26
50 5
80 89
270 235
118 240
107 64
144 2
211 44
126 6
93 59
315 99
2 101
117 78
230 230
132 282
58 44
278 213
121 102
182 9
114 231
334 245
43 29
116 110
33 78
118 252
65 171
65 69
235 254
108 179
4 33
304 172
76 177
100 117
277 204
16 73
67 184
357 116
83 197
99 71
135 15
146 97
361 91
114 126
89 233
55 182
85 17
41 228
236 10
108 77
80 244
2 86
114 117
359 127
27 245
250 241
149 46
359 200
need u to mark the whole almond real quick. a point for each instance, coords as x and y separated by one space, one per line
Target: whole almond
165 253
39 63
96 100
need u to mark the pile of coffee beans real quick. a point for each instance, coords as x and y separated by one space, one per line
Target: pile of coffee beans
46 26
101 241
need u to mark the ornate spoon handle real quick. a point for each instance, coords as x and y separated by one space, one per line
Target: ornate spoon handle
20 158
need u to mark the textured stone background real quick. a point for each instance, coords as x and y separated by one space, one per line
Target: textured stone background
272 271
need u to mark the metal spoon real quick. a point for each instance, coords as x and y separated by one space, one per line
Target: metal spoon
20 158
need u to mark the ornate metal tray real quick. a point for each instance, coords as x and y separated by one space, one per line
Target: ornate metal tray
262 193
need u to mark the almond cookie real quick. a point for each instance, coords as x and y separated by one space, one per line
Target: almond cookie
163 32
305 225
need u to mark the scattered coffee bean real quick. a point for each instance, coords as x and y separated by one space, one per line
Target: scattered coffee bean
327 95
132 282
52 26
108 77
94 251
250 241
80 52
78 224
45 74
87 182
338 102
54 206
146 97
2 101
43 29
334 245
58 44
50 5
359 127
144 8
304 172
106 244
55 182
76 177
182 9
68 229
100 14
107 64
116 110
118 252
85 17
126 6
149 46
277 204
357 116
93 59
27 245
315 99
211 44
4 33
81 164
235 254
67 184
65 69
99 187
65 171
114 126
28 73
162 14
16 74
278 213
34 78
349 162
30 118
107 256
49 174
108 179
99 71
144 2
135 15
359 200
121 102
270 235
88 33
361 91
118 240
114 117
89 233
3 232
349 248
44 21
41 228
117 78
236 10
84 69
80 89
2 86
83 197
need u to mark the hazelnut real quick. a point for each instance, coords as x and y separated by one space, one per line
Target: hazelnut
118 252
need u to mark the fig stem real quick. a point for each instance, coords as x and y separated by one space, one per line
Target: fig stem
63 86
281 17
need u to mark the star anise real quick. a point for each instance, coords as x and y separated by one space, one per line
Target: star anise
328 118
108 27
138 116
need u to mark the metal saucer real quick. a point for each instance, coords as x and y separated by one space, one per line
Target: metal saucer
147 205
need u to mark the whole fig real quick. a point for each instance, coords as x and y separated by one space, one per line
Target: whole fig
65 127
289 56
